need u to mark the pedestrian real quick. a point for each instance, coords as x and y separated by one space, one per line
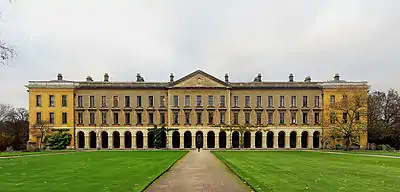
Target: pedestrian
198 147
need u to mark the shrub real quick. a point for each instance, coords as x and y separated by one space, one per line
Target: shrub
59 139
338 146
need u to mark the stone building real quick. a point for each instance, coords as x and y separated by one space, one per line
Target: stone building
199 109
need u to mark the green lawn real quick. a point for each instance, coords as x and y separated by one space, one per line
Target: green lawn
312 171
371 152
20 153
85 171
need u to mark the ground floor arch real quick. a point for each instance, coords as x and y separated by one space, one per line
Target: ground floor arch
116 140
210 139
199 139
176 139
258 139
150 139
222 139
270 139
128 139
81 139
104 139
187 139
235 139
293 138
163 138
281 139
139 139
316 139
246 139
304 139
93 139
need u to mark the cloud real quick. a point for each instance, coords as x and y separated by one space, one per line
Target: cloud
358 39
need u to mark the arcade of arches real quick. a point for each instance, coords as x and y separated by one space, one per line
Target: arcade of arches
197 138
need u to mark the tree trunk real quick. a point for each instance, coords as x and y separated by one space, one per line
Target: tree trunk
348 143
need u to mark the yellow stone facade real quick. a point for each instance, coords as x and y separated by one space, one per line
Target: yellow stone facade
199 107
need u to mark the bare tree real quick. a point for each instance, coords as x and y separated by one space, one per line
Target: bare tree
6 52
41 128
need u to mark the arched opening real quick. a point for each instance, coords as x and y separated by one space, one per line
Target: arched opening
304 139
104 140
222 139
199 139
316 139
281 139
81 139
246 139
258 139
235 139
187 139
270 139
128 139
210 139
139 139
116 141
93 139
163 140
150 139
176 140
293 136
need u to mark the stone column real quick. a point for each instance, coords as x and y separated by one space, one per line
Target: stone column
252 141
145 141
228 140
298 142
276 141
310 142
193 141
169 143
87 142
133 141
287 141
110 142
122 141
205 141
182 142
216 141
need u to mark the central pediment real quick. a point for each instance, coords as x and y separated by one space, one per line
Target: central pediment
199 79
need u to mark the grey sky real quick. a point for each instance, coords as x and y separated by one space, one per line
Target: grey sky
358 39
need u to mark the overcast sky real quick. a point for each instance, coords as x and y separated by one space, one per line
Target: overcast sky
358 39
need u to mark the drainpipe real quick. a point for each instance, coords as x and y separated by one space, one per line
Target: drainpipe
323 120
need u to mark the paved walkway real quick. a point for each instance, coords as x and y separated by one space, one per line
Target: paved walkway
199 171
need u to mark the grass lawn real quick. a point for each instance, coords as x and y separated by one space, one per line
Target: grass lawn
312 171
85 171
20 153
371 152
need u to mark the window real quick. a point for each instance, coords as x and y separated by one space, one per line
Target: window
116 119
139 118
80 118
162 101
64 100
235 118
115 101
247 101
305 118
357 116
91 102
38 117
259 119
222 117
104 118
51 100
282 118
247 118
103 101
151 101
176 104
316 118
176 118
316 101
332 118
80 101
187 100
305 101
235 101
187 118
91 118
162 118
51 118
127 101
270 118
293 118
64 118
344 96
139 101
211 118
258 101
222 101
344 117
198 100
127 118
210 100
294 104
38 100
282 101
198 117
151 118
332 100
270 101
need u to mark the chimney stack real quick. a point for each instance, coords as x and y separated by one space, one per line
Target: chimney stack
307 79
59 77
226 78
106 77
291 77
171 77
336 77
89 79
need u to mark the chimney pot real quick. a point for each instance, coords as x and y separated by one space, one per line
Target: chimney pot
336 77
171 77
59 77
226 78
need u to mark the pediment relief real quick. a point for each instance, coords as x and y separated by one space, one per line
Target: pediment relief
199 80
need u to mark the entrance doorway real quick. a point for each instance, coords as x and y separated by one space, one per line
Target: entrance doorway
199 139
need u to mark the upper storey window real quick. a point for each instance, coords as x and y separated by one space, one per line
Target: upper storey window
187 100
305 101
80 101
162 101
316 101
38 100
151 101
270 101
91 102
64 100
332 99
210 100
222 101
247 101
139 101
176 104
282 101
294 101
258 101
115 101
103 101
127 101
235 101
199 100
51 100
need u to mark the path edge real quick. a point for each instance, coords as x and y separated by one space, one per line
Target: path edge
225 162
164 172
